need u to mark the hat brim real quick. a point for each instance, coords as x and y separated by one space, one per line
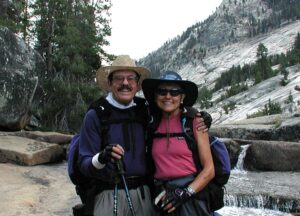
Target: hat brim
190 89
103 73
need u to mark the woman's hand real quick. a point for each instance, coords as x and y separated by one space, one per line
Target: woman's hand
174 197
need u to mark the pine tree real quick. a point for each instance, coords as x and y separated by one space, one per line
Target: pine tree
295 53
15 16
71 35
264 69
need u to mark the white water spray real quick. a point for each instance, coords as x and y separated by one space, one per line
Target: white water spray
239 168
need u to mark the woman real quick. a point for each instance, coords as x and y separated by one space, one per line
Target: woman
183 189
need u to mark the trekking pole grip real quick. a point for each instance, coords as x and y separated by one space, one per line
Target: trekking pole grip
120 166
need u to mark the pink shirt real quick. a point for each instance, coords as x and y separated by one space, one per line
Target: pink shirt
173 159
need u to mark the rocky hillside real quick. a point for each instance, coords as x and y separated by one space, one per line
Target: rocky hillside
233 21
230 37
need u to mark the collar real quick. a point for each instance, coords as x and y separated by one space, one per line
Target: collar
115 103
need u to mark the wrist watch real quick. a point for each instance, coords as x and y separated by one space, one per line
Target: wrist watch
190 190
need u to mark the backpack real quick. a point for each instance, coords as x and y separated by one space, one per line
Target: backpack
86 187
219 152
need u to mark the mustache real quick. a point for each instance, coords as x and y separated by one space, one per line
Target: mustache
125 87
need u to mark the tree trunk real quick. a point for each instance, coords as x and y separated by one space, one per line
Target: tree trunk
3 8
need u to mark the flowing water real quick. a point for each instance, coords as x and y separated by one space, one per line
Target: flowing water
239 168
237 211
261 193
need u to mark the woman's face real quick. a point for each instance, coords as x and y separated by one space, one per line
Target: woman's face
168 97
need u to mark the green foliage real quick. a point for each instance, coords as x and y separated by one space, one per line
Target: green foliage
204 97
71 35
283 82
270 108
259 71
263 67
262 52
285 73
289 10
234 76
290 98
282 11
64 108
235 89
15 16
190 43
293 56
229 106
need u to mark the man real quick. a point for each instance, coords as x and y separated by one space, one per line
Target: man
124 141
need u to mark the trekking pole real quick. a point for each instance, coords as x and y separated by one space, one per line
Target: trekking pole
121 171
116 200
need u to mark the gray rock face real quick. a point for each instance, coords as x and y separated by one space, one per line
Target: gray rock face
19 65
273 156
275 127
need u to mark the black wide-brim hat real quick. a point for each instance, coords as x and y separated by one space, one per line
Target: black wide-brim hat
190 89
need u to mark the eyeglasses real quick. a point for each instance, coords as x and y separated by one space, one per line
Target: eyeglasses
173 92
130 79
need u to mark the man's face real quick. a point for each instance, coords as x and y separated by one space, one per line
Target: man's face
124 85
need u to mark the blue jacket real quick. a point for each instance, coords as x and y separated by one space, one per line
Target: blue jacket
90 144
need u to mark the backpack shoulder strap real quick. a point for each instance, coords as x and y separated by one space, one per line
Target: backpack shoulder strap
187 119
103 111
142 111
102 108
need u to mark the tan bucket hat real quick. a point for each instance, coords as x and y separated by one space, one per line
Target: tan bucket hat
122 62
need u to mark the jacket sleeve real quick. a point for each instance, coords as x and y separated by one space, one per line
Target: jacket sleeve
89 146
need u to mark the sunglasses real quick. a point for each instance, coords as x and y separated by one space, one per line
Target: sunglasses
173 92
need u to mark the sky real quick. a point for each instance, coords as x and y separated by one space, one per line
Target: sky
142 26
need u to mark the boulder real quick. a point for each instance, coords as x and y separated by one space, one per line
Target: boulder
273 156
19 69
29 152
51 137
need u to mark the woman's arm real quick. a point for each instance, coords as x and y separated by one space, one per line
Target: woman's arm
208 171
201 180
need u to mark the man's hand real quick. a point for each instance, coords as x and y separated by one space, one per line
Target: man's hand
175 197
111 153
203 121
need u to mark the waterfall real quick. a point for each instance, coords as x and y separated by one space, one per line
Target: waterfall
261 202
246 192
240 163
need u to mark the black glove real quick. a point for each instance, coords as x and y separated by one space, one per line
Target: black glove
176 196
106 155
206 118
